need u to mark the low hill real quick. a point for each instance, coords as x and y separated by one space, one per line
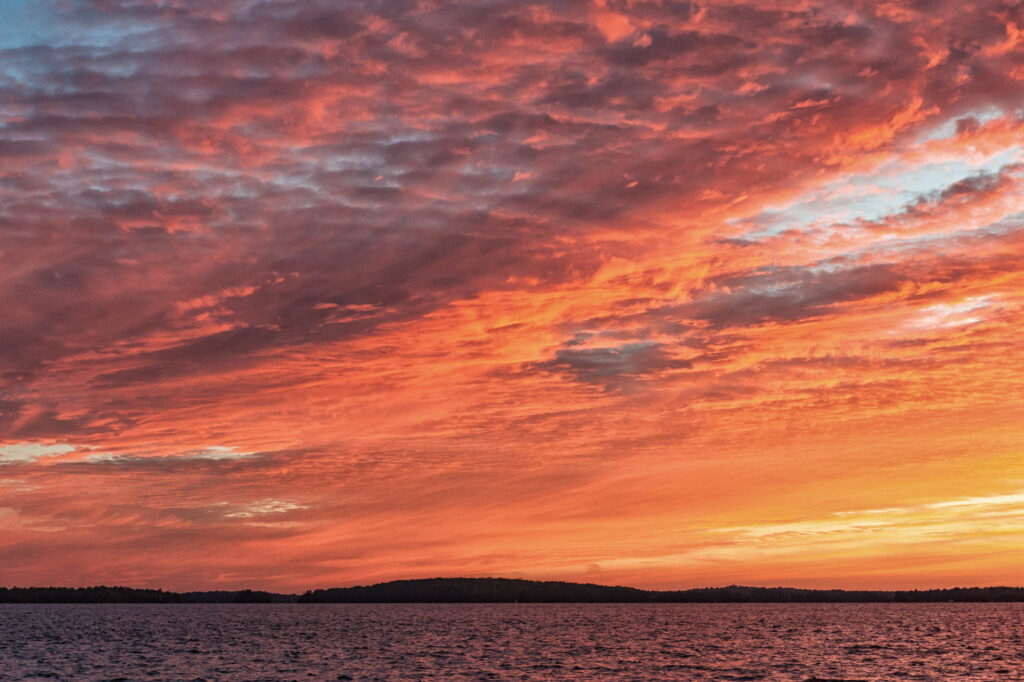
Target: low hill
456 590
475 590
237 597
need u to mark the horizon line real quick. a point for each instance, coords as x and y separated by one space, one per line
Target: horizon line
528 580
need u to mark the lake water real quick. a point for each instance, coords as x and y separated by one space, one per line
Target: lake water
513 641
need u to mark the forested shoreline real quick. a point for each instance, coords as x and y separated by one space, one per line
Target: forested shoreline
501 590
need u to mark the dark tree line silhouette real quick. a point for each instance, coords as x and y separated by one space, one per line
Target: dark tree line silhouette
127 595
85 595
470 590
500 590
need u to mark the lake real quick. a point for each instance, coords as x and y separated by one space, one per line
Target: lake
512 641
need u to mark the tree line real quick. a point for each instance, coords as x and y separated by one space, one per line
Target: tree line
501 590
477 590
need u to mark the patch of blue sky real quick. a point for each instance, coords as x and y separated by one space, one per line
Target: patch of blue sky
870 196
63 23
25 23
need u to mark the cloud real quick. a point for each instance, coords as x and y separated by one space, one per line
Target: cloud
30 452
213 453
612 366
261 508
430 269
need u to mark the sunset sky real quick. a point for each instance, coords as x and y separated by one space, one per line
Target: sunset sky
307 293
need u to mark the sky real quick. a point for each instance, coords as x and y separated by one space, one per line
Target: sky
298 294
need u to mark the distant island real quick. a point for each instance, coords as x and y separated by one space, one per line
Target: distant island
128 595
502 590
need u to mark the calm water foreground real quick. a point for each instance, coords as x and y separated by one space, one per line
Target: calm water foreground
513 641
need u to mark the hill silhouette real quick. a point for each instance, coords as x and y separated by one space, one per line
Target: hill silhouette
501 590
472 590
475 590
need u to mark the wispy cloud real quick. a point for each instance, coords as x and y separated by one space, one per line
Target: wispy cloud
30 452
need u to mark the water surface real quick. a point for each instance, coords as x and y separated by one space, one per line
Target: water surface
512 641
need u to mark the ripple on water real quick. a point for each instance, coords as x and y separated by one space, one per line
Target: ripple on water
801 642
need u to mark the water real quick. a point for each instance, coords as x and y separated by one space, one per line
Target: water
513 642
